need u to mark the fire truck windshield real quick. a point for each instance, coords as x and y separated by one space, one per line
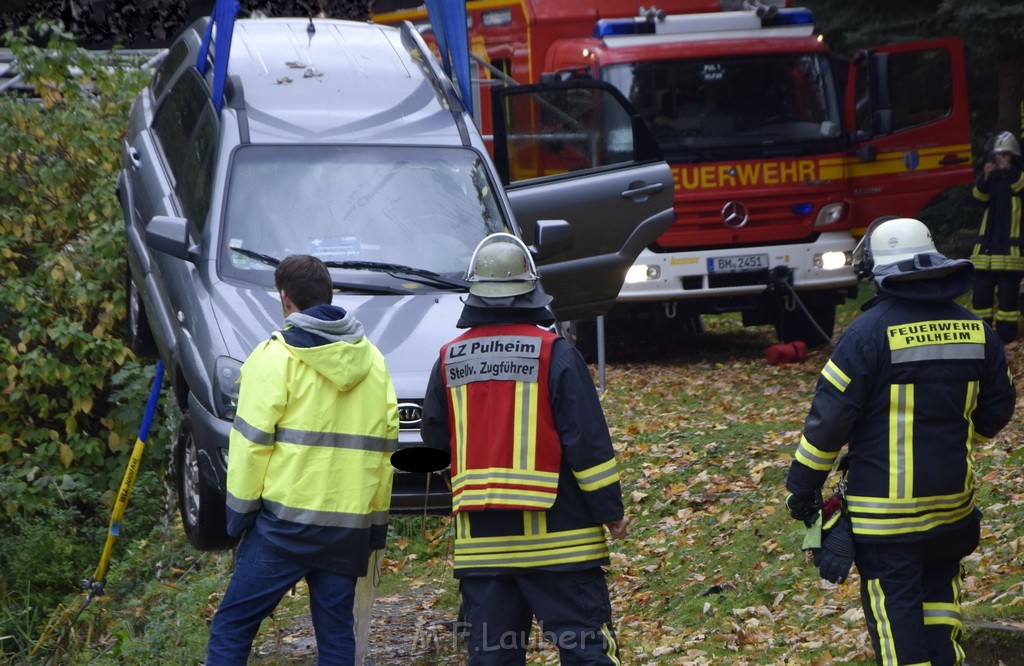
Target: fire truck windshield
744 107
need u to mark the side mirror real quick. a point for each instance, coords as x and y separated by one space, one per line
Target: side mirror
169 235
868 153
551 238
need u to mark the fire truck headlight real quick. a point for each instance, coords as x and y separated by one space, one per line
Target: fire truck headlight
642 273
831 260
830 214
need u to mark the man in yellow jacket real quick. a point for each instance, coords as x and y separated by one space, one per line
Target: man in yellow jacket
309 476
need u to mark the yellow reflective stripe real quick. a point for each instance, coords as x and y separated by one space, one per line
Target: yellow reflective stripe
520 428
521 541
586 553
901 440
942 613
813 457
997 262
957 585
1007 315
535 523
462 526
535 478
598 476
1015 215
970 404
897 505
539 500
910 525
458 401
835 376
876 602
985 313
894 162
609 641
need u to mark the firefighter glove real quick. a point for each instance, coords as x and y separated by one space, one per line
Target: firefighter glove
803 508
835 558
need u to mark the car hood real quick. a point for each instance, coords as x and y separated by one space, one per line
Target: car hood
408 330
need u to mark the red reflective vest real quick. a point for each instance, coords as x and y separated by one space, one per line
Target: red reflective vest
507 452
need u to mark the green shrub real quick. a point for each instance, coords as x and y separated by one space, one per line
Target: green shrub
73 394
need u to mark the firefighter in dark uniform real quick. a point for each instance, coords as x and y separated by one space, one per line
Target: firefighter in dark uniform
914 383
534 479
997 251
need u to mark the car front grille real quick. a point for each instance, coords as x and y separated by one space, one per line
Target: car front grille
410 413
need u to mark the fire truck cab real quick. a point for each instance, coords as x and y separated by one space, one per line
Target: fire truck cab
781 152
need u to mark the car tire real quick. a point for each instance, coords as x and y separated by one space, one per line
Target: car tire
793 325
200 504
140 336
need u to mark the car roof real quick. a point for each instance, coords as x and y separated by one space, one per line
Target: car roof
345 81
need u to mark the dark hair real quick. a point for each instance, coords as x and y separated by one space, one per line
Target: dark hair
305 279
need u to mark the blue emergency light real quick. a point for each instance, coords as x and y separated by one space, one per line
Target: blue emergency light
793 16
701 22
803 209
626 26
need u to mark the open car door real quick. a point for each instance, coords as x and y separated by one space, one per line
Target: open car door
577 151
907 106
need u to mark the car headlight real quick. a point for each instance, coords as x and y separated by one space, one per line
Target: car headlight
831 260
226 372
642 273
830 214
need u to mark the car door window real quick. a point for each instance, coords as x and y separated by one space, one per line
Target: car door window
195 185
564 129
164 73
178 117
921 87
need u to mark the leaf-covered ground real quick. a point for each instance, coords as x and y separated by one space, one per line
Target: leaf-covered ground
712 572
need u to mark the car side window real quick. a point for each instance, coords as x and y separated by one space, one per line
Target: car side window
177 119
195 185
163 74
921 87
554 129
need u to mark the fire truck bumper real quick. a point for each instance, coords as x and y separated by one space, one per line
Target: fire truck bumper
822 265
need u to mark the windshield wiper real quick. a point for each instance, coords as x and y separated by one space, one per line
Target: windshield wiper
420 275
355 287
258 256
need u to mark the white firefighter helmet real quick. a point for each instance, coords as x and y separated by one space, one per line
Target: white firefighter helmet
501 266
1006 143
893 239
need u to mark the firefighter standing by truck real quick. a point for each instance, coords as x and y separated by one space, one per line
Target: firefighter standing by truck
913 384
534 479
997 253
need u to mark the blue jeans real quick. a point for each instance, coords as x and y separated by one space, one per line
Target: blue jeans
261 579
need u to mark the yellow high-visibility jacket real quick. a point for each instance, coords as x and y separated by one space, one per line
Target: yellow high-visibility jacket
309 456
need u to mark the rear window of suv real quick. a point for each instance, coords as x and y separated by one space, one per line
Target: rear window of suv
424 207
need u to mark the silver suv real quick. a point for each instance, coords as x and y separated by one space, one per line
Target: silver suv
345 140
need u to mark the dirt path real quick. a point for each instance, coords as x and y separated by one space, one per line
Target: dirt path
407 629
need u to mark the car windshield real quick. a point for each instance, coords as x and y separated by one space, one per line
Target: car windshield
745 107
369 209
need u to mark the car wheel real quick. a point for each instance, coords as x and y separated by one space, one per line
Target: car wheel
794 324
201 504
140 336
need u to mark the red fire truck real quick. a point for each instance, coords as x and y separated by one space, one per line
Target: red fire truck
781 152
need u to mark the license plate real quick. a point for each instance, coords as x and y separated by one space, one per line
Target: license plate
738 264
